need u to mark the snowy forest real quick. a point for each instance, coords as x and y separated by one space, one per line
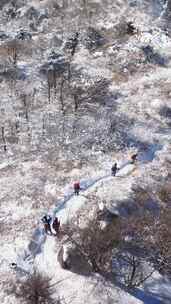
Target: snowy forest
85 151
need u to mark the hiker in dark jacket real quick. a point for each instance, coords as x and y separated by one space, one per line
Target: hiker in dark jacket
56 225
47 221
114 169
76 188
134 158
131 29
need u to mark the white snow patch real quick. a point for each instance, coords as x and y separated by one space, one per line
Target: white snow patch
70 208
51 189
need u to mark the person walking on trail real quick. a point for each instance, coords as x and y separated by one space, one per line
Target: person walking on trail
74 42
47 221
114 169
77 188
56 225
134 158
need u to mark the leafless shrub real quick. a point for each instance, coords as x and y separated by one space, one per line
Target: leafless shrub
61 92
169 4
141 195
13 49
153 57
132 263
4 138
25 104
2 227
94 243
132 270
146 240
36 289
163 242
164 193
3 2
165 91
139 229
93 39
165 112
51 81
96 92
168 9
76 93
123 29
119 77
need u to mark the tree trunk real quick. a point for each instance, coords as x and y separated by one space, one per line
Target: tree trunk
130 280
75 102
61 94
3 138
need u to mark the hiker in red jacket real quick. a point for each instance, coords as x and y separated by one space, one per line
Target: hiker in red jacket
76 188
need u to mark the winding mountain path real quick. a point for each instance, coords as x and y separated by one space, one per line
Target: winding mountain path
65 206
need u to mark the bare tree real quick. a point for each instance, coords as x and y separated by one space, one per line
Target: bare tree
145 247
162 242
12 50
164 193
151 230
3 138
130 266
76 92
61 92
24 99
52 82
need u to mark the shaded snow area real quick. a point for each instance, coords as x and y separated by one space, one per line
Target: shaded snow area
80 289
156 290
84 85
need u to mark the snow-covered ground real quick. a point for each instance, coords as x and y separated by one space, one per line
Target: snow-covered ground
41 251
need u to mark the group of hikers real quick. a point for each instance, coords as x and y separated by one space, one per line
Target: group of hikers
55 224
115 167
49 222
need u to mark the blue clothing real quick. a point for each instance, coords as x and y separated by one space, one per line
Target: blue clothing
46 219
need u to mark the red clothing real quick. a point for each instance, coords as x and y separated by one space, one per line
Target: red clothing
77 186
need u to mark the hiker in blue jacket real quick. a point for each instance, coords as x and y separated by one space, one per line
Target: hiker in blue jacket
47 221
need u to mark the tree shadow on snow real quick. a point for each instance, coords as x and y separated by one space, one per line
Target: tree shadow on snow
37 240
160 295
146 297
